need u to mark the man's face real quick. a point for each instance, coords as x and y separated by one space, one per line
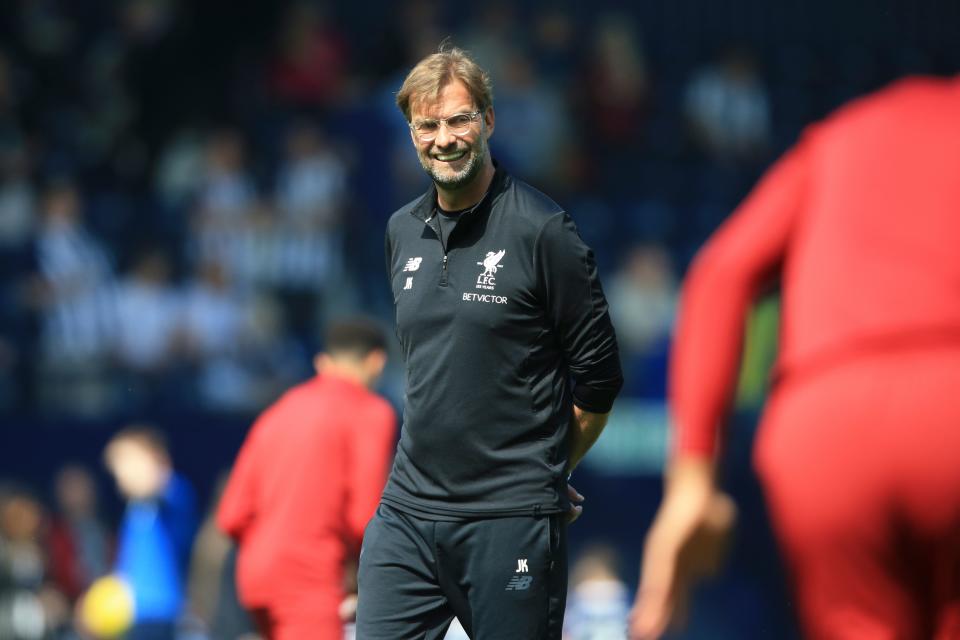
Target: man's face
138 471
452 160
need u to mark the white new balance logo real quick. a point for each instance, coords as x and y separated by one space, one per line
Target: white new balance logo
519 583
413 264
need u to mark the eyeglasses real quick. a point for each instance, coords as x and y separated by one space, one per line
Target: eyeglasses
458 124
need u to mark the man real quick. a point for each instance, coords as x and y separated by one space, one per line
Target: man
859 450
159 523
77 538
305 483
498 306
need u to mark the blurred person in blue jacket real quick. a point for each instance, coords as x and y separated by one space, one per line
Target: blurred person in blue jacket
156 534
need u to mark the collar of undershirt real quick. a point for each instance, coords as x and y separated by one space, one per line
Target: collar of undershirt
455 215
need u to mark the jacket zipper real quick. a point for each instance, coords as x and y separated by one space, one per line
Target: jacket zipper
443 267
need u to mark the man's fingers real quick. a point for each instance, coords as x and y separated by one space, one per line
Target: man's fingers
653 609
575 508
348 608
650 615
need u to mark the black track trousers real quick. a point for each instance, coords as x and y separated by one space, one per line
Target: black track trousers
504 578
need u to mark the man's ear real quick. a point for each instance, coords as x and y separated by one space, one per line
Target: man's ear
489 120
319 360
375 362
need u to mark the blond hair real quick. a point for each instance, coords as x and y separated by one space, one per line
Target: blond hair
429 77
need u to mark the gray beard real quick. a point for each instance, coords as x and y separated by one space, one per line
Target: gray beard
463 177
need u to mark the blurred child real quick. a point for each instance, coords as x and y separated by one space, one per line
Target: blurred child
157 531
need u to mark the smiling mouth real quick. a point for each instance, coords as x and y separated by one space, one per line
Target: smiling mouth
450 157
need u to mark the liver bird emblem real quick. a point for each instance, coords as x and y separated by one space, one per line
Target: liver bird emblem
492 262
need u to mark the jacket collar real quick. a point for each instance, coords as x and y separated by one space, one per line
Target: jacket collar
425 206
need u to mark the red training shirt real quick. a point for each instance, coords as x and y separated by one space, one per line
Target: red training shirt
306 481
860 222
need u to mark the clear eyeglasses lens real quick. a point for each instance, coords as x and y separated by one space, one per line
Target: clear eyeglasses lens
457 124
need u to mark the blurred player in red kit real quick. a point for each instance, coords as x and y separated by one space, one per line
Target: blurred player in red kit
306 481
859 448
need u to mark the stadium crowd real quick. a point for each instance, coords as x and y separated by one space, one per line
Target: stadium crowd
189 191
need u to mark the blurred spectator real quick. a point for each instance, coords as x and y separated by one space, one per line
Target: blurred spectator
230 619
492 32
17 197
148 314
212 588
70 259
258 369
76 305
157 531
77 271
180 170
215 316
727 107
532 122
311 68
77 539
555 45
643 299
312 183
612 99
228 209
599 599
105 113
227 194
30 609
207 558
312 197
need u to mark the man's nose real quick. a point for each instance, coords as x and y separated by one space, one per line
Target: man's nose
444 137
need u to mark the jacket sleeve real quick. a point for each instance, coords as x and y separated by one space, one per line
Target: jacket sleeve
370 453
388 255
578 313
740 260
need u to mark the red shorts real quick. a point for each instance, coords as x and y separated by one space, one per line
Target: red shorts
290 626
861 468
310 613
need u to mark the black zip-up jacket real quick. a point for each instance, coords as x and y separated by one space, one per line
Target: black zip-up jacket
503 327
